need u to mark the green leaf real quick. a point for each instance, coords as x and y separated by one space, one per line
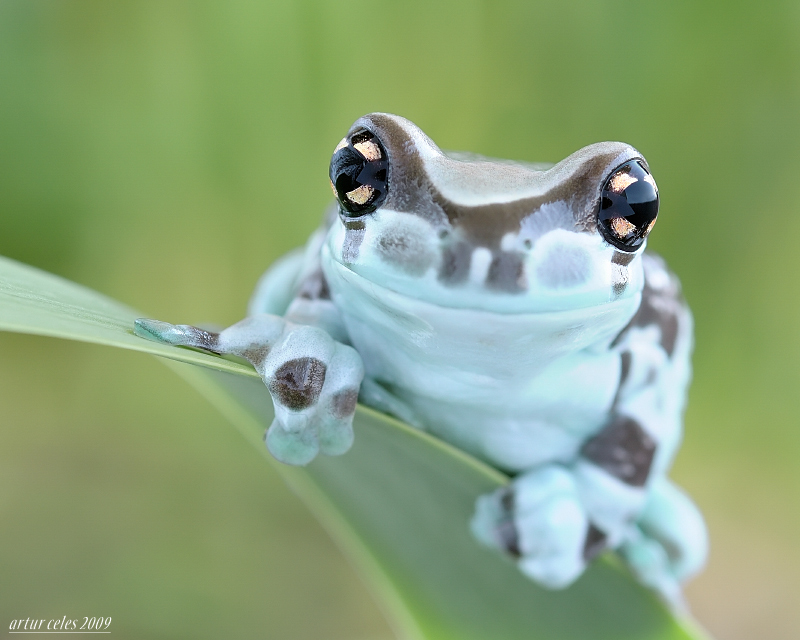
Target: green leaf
32 301
398 503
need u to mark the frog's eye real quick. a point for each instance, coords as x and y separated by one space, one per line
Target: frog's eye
358 173
628 206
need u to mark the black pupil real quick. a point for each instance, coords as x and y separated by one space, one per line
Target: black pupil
628 195
351 170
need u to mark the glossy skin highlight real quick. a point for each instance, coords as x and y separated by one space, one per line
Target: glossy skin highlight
482 301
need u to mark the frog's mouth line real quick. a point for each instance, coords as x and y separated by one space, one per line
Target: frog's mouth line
597 304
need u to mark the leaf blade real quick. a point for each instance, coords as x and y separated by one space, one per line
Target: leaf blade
398 503
35 302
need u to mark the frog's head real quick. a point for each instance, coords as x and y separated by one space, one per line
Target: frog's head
470 232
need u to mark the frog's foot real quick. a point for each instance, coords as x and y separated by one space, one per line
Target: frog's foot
649 562
669 544
539 521
313 379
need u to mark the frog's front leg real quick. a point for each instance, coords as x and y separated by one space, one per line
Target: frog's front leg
313 379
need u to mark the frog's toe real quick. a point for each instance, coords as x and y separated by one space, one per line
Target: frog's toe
336 422
493 523
539 521
649 562
159 331
551 540
154 330
292 446
324 426
181 335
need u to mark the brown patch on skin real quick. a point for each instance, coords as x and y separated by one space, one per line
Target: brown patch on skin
412 191
622 258
506 273
508 537
507 533
315 287
354 225
200 338
594 544
669 333
256 355
408 250
298 383
344 403
625 366
625 361
455 263
619 288
623 449
393 245
507 500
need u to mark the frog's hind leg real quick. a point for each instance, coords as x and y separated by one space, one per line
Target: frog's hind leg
670 542
540 522
313 379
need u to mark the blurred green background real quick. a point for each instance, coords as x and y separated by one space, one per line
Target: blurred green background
164 153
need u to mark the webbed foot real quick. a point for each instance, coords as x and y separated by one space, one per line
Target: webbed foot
538 520
669 544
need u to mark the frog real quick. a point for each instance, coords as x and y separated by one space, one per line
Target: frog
507 308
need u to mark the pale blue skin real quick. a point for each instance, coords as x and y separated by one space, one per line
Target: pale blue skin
522 379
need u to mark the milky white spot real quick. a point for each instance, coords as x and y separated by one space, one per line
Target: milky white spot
657 278
509 241
479 265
